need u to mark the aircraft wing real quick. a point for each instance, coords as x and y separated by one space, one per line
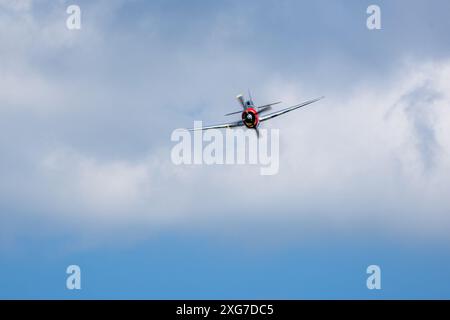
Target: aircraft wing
282 111
219 126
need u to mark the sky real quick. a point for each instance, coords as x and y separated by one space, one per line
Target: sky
87 178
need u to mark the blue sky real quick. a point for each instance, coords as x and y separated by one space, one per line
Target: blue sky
85 150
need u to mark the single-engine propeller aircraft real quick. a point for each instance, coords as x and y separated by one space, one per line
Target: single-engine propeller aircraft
252 115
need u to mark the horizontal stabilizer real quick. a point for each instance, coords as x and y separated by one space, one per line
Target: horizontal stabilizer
236 112
269 105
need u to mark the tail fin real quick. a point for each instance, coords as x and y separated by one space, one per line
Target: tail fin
250 97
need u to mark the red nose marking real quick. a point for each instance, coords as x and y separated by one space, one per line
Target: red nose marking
254 121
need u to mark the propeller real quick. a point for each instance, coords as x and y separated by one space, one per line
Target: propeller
241 100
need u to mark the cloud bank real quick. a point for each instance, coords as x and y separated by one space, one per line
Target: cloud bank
87 119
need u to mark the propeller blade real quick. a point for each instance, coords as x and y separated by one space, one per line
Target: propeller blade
241 100
257 132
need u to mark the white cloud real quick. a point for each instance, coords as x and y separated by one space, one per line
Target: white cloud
16 5
101 188
343 164
371 153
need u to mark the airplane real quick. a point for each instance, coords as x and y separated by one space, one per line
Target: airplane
252 115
